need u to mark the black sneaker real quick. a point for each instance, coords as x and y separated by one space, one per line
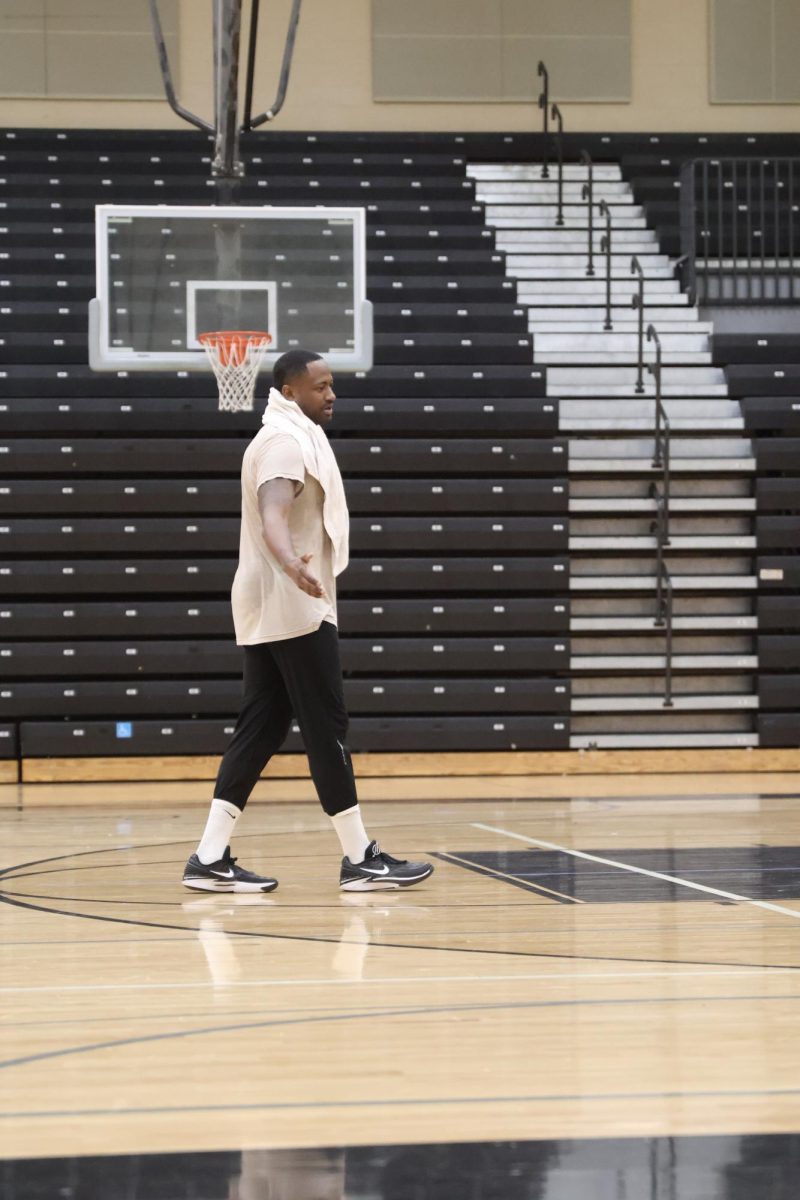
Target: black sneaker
380 871
224 876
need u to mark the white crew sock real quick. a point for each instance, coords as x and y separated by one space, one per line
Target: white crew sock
220 825
351 833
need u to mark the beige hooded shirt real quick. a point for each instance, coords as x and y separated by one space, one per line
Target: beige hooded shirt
267 605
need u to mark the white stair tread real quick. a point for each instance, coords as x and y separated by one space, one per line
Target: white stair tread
692 703
631 466
655 274
702 621
647 583
675 325
625 358
643 741
576 282
683 447
512 170
652 259
589 303
644 504
671 375
613 341
621 390
645 406
639 424
657 662
623 542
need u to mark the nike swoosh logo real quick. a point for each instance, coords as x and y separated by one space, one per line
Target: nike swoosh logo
376 870
223 874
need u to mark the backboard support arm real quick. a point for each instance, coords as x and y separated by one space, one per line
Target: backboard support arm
166 74
271 113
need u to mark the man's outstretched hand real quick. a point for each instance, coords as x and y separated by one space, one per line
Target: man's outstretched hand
297 569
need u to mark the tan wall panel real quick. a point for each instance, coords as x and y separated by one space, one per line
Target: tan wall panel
331 84
787 50
742 36
437 67
103 64
21 60
580 69
581 18
475 17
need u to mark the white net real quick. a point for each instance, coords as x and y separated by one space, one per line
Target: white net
236 357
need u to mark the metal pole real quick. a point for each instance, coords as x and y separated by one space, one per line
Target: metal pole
227 30
252 38
544 105
587 194
605 244
166 74
638 302
283 82
555 113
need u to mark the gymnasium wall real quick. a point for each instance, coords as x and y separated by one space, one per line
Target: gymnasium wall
331 85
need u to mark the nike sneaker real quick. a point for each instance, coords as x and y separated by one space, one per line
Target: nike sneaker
379 871
224 876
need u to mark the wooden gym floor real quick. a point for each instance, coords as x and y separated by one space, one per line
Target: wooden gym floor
592 958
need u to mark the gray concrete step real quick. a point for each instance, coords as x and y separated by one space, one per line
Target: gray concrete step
647 583
629 624
643 544
655 741
657 662
700 505
522 172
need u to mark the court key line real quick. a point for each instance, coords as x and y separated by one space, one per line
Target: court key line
561 977
613 862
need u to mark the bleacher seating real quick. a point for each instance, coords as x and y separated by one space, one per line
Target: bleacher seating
120 498
502 549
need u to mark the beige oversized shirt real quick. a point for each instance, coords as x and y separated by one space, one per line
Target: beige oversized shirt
267 605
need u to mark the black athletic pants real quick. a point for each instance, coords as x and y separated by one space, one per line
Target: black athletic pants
300 677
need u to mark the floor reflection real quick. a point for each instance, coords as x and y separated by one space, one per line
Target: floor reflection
689 1168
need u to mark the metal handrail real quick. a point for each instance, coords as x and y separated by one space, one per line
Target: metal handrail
637 301
286 65
166 74
662 431
729 253
664 617
605 244
587 194
555 113
544 105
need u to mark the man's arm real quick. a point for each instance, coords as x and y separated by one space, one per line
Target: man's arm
275 499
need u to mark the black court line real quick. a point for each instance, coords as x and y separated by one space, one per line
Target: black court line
377 1101
512 880
339 1017
335 941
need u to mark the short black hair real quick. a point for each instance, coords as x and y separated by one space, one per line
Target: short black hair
290 365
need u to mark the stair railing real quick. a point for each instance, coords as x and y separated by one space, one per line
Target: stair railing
587 194
664 608
661 458
638 302
661 438
555 113
605 244
544 105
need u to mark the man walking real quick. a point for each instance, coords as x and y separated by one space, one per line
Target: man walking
294 542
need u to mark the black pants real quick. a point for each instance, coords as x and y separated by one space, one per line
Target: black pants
300 677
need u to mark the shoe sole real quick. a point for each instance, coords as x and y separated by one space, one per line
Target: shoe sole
376 884
220 885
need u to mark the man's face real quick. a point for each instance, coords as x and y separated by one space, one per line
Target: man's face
313 392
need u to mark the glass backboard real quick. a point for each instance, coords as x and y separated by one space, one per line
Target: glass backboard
166 273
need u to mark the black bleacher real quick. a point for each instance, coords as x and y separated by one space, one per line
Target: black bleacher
120 494
770 401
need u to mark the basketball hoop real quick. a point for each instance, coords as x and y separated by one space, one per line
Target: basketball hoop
236 356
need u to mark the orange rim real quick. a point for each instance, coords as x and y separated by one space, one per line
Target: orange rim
231 345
